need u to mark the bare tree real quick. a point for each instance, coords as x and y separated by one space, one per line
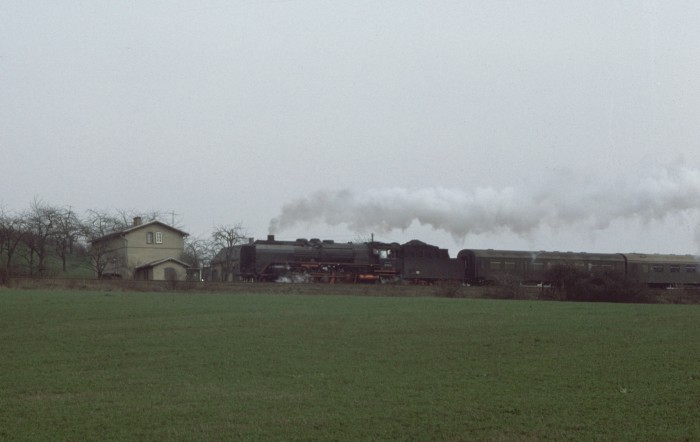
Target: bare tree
97 224
224 239
124 218
68 230
198 251
13 229
42 221
170 218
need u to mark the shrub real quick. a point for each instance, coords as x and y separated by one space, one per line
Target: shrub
573 284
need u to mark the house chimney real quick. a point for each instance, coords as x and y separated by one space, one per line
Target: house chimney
137 221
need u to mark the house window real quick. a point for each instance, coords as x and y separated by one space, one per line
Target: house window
149 238
159 237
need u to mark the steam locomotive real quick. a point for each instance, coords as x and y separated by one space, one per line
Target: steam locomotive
315 260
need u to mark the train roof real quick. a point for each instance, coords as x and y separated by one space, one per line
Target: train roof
650 258
542 254
641 258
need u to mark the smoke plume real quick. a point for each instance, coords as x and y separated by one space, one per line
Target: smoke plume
595 204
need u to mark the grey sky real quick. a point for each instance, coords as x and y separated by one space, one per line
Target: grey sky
226 111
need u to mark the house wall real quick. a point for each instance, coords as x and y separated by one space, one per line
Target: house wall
141 252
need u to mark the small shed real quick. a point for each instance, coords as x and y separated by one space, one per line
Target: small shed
168 269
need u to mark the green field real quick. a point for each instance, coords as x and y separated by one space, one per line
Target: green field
171 366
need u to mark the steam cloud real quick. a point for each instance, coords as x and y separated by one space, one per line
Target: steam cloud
653 196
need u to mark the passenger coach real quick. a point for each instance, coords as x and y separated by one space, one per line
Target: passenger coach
657 270
489 266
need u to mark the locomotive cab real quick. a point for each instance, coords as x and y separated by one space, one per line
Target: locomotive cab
384 256
382 264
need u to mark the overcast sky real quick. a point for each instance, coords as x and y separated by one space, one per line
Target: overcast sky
546 125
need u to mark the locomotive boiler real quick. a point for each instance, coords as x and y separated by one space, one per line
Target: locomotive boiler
314 260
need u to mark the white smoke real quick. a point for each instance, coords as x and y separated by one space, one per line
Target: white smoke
593 204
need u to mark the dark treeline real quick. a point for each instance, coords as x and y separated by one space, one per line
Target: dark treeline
43 239
569 283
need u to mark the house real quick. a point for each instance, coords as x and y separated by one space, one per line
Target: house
225 266
150 251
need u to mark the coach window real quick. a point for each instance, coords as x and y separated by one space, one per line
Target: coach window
645 268
675 269
690 269
657 268
149 237
495 265
510 266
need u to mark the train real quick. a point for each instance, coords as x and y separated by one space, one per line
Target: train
416 262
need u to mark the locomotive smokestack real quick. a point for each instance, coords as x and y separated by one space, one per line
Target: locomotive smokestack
270 237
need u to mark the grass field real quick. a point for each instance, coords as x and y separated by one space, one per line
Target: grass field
171 366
